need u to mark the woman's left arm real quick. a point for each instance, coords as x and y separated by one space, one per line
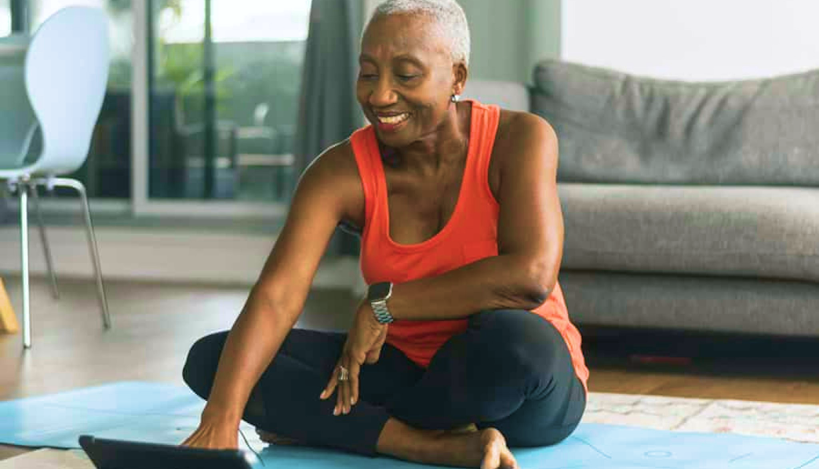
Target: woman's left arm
530 238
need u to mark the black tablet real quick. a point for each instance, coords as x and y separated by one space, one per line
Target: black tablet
117 454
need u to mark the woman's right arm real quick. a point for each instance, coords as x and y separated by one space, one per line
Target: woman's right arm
328 191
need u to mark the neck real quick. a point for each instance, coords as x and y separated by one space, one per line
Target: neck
448 143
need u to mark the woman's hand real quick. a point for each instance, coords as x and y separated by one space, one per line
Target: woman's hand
364 342
214 434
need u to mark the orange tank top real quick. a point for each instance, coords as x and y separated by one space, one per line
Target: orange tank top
470 235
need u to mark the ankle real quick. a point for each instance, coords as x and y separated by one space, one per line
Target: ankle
403 441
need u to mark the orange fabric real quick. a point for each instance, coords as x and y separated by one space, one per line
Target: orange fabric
470 235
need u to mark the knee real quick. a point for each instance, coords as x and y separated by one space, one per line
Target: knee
200 366
519 341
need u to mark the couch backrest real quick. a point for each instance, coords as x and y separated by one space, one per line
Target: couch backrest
506 94
615 127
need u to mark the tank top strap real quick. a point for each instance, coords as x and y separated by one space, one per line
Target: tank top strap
485 129
365 149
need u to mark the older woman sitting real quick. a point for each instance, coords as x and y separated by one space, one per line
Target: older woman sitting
463 346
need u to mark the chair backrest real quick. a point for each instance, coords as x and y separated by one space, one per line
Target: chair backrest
66 76
16 115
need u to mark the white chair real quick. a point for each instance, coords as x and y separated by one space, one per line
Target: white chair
66 70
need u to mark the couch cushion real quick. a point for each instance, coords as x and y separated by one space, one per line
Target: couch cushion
681 302
770 232
615 127
506 94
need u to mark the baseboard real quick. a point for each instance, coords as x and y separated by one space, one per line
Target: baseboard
154 254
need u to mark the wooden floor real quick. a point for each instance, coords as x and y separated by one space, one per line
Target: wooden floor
155 324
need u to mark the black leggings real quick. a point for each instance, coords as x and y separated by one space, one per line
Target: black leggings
510 370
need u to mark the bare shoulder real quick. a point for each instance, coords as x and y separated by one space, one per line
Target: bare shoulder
520 130
337 158
520 135
335 172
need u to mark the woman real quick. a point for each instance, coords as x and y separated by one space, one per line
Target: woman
463 345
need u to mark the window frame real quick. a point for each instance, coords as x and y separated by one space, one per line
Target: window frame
139 202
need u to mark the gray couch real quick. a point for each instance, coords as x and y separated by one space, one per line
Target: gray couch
689 206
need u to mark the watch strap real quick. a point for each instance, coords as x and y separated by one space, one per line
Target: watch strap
382 313
378 295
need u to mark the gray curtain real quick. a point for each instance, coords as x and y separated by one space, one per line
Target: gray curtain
328 111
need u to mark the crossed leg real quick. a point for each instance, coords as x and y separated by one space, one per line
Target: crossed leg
510 373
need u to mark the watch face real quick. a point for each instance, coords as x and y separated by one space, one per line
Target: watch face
379 291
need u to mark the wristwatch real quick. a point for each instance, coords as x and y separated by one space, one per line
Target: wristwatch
377 295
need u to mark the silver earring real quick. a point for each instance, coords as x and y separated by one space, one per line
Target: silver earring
455 98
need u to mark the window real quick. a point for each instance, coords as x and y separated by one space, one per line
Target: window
224 99
5 18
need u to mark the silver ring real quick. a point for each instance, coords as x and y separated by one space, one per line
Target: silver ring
343 375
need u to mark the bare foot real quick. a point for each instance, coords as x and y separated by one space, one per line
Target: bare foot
274 439
495 452
485 449
469 447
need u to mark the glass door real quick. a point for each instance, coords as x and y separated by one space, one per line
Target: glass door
224 79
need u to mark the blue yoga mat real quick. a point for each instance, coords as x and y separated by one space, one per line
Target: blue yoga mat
162 413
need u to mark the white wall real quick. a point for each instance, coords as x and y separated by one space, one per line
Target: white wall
693 39
508 36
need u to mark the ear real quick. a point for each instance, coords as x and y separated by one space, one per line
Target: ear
460 73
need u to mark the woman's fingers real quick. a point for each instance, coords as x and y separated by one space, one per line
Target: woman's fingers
355 369
210 436
339 396
373 356
347 393
345 396
193 438
375 352
347 390
331 385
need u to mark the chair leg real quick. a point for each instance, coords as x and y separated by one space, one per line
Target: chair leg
55 292
92 242
22 189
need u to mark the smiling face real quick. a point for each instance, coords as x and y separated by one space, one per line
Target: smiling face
406 78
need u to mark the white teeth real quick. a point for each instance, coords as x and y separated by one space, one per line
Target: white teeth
393 119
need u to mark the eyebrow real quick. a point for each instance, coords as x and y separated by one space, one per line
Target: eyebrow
410 58
403 57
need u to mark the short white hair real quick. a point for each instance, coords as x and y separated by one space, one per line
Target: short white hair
449 17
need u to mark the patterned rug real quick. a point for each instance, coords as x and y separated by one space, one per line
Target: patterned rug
795 422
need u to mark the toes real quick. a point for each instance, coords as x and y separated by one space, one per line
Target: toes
491 458
508 460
